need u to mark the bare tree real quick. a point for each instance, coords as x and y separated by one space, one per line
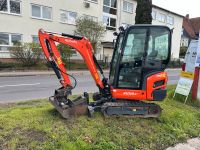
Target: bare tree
91 29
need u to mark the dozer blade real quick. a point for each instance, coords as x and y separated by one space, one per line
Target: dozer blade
77 107
135 109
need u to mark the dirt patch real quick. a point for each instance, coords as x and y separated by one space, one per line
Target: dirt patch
24 138
31 134
6 105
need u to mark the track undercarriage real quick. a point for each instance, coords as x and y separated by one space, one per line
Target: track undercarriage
118 108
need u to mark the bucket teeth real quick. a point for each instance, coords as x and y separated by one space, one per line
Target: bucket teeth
70 108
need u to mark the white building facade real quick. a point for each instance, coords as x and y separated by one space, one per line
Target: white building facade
20 20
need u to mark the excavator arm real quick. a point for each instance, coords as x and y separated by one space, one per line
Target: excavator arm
60 100
81 44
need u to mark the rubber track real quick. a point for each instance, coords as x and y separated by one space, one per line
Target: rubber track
133 105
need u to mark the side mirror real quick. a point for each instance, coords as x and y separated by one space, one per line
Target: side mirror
114 42
115 33
172 30
121 29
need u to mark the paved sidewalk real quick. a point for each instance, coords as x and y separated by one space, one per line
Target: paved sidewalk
51 72
192 144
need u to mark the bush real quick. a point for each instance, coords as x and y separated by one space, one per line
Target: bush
6 65
65 52
175 63
183 51
27 54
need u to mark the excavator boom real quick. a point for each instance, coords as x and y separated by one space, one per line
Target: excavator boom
81 44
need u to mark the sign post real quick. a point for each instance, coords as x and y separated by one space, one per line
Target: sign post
190 76
196 85
187 76
184 84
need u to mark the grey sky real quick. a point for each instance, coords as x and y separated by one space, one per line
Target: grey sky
182 7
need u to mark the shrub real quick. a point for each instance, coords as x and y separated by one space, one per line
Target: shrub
91 29
27 54
183 51
176 63
65 52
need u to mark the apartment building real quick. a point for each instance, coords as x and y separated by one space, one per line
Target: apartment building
21 19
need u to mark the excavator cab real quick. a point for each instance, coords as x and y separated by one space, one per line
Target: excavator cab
140 51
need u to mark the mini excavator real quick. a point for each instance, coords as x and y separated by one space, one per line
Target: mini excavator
136 78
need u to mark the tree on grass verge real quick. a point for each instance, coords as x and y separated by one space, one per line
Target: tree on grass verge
65 52
91 29
27 54
183 51
143 12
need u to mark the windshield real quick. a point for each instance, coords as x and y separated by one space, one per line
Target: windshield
150 43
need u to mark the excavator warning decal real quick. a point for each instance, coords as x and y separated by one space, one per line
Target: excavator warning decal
59 61
96 76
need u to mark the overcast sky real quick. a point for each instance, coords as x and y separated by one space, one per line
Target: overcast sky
182 7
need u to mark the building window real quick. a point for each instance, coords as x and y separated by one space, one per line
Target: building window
95 1
127 7
8 39
161 17
10 6
68 17
15 39
170 20
35 39
109 15
153 14
91 17
41 12
109 22
110 7
4 39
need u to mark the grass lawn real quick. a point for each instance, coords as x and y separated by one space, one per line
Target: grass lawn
36 125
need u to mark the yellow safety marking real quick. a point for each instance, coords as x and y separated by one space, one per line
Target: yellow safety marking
187 74
59 61
96 76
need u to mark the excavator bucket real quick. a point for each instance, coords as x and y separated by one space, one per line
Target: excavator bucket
68 108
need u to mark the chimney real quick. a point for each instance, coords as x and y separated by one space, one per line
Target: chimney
188 16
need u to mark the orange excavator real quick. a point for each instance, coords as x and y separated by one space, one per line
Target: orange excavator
141 54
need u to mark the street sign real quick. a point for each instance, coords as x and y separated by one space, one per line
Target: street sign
187 77
184 86
190 57
187 74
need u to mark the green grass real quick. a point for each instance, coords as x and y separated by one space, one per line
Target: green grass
36 125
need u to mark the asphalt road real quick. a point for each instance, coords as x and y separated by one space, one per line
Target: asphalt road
43 86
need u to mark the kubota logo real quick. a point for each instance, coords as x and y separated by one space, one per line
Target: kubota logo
129 93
